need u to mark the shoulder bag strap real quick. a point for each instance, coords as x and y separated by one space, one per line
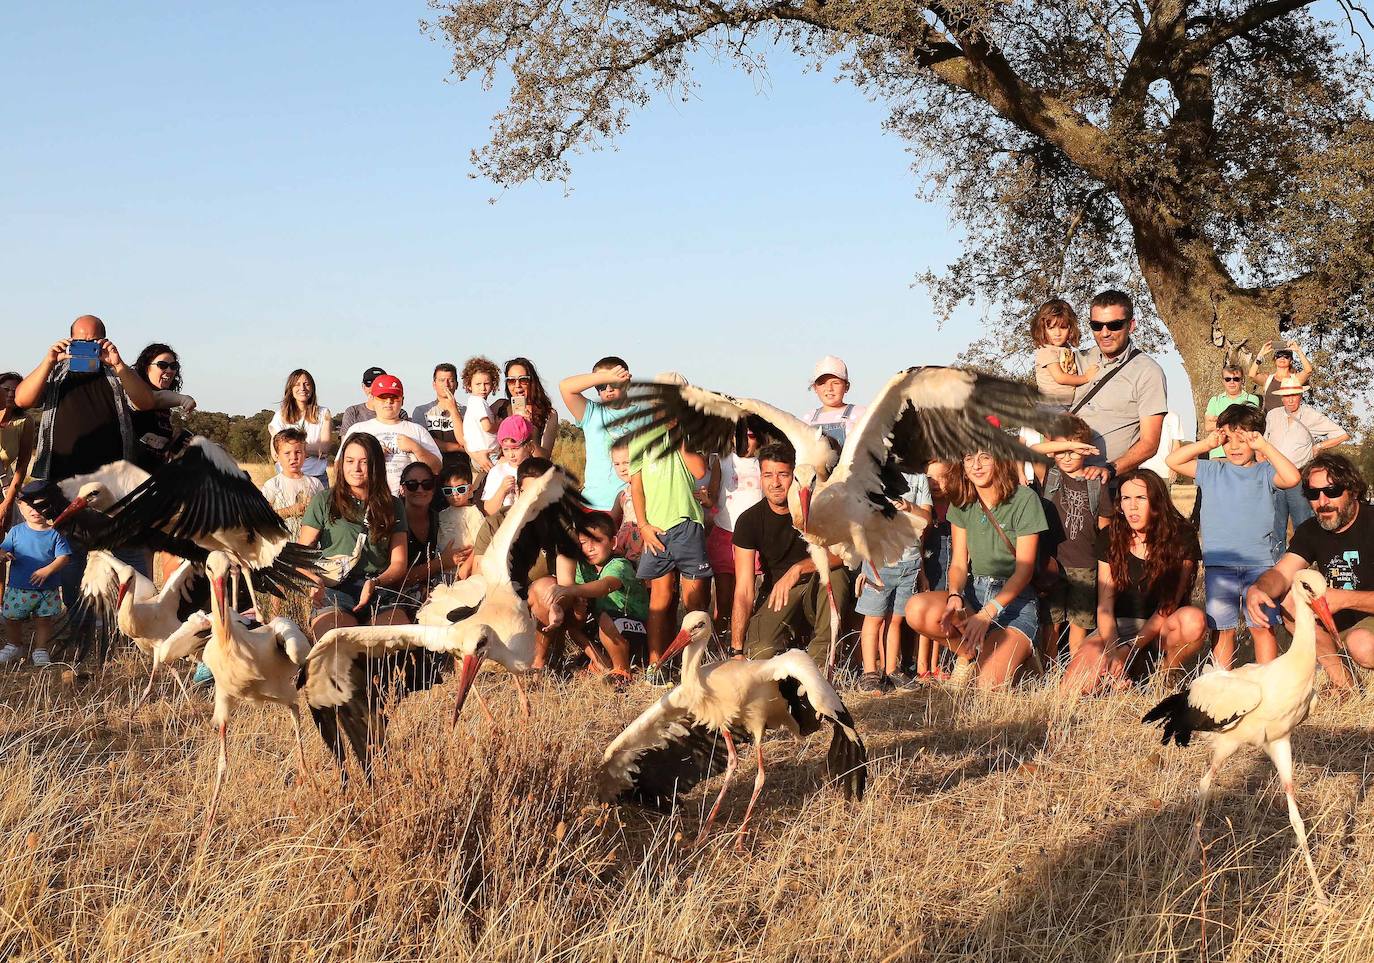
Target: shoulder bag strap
1010 547
1130 356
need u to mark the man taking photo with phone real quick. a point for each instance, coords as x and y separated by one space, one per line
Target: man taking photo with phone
84 416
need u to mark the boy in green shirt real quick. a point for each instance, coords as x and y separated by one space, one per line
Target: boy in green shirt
617 601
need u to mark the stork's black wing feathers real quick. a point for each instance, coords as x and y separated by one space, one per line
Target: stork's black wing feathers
694 754
1181 719
926 432
808 720
377 684
283 576
192 496
553 531
847 759
661 412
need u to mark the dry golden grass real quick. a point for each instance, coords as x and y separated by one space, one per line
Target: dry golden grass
996 827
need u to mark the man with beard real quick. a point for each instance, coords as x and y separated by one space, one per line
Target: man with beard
1339 543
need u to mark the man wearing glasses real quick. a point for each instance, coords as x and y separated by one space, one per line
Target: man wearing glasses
1339 543
1233 381
1300 432
1126 403
610 376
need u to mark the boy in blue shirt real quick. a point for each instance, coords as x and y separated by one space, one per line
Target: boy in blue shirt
36 552
1237 533
610 377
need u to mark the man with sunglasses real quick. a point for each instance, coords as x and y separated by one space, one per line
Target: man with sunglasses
610 377
1126 403
1338 542
1301 432
1234 393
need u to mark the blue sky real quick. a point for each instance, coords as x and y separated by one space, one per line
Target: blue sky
267 186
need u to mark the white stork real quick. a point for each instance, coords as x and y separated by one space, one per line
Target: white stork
257 664
1256 705
845 503
671 746
199 502
482 618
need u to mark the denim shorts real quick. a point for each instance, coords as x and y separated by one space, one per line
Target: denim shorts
899 584
684 549
1226 585
937 558
345 595
1021 614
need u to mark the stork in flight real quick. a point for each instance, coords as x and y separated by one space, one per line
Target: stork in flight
486 617
199 502
257 664
672 745
1256 705
847 503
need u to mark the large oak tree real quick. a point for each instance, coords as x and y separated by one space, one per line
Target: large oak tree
1214 155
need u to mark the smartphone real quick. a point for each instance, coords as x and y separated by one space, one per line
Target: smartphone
85 356
520 406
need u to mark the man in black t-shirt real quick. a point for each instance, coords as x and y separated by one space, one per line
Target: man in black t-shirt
791 601
1338 543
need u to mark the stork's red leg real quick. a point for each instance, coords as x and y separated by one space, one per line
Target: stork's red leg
300 745
730 768
758 788
219 779
520 691
834 633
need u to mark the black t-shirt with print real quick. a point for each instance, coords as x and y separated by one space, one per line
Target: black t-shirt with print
86 433
1345 559
1135 599
779 545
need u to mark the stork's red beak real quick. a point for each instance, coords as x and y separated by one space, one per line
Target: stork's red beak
76 505
1323 611
680 642
467 673
804 497
124 588
221 607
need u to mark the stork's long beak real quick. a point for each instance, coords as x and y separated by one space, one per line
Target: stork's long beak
124 588
76 505
221 607
804 497
467 673
1323 611
680 642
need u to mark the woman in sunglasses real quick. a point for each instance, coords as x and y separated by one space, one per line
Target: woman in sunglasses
528 398
424 565
156 439
1233 393
1284 369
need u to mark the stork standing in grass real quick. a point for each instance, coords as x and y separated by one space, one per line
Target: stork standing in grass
257 664
846 502
1256 705
672 745
483 618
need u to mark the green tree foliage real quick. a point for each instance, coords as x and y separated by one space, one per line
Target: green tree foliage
1212 156
243 436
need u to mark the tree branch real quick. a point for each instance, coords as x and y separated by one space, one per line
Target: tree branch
1200 47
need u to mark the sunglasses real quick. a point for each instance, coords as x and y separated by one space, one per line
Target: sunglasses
1228 379
1286 355
455 489
609 387
518 379
1330 491
167 365
416 484
1109 325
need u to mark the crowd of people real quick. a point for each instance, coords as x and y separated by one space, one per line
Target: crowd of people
1080 558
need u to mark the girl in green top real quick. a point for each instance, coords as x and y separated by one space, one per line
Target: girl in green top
359 503
989 613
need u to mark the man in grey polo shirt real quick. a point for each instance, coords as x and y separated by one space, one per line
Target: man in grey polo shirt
1125 404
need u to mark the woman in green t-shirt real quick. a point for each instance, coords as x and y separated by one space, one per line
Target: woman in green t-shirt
358 518
989 613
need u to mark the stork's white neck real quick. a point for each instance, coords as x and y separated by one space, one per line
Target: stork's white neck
1304 647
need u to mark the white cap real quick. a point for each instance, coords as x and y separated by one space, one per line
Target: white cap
829 365
670 378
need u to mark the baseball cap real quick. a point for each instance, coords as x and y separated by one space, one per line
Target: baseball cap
385 384
370 375
514 428
829 365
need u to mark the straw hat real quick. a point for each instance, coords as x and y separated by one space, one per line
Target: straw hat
1290 386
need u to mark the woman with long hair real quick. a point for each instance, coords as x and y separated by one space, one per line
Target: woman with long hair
359 522
156 439
17 434
988 615
528 397
424 561
299 408
1147 564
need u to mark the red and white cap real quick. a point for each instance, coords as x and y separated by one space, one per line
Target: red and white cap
828 366
385 384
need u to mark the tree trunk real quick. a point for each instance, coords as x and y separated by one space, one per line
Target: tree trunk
1192 289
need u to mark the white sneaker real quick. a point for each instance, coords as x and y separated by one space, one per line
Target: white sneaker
10 653
39 658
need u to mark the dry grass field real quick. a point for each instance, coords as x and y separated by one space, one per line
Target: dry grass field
996 827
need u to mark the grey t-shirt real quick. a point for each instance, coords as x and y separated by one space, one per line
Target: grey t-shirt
1114 413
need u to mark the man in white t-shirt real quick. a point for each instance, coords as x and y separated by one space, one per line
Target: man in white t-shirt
402 440
835 418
